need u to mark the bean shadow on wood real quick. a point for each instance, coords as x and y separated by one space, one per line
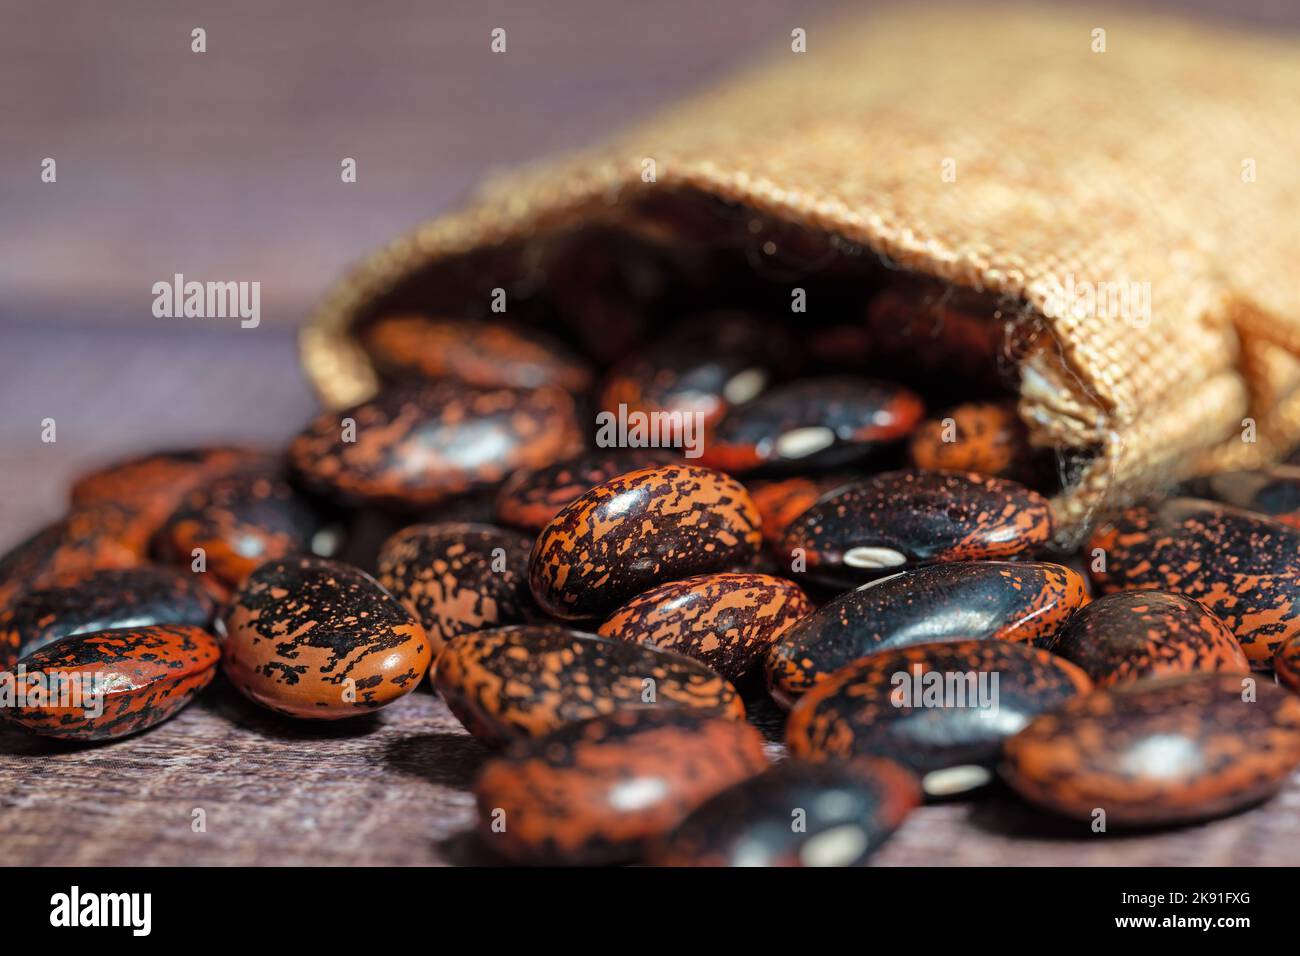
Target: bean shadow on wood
470 848
998 811
1002 813
445 759
16 742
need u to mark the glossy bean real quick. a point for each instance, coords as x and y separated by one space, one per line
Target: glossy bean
902 519
1135 634
317 639
108 684
727 621
941 710
1023 601
603 790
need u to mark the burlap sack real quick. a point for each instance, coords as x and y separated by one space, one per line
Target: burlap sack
1000 150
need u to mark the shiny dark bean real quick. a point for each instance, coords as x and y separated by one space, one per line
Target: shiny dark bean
942 710
709 365
797 813
1238 564
822 422
902 519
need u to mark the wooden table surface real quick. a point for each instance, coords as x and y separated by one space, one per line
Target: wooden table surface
225 165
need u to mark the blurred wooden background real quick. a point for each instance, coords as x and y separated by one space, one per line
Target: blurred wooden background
225 166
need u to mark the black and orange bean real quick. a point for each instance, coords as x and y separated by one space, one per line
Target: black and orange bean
313 638
710 364
411 347
798 813
455 578
638 530
525 681
817 422
728 621
988 438
941 710
1023 601
531 497
238 521
417 446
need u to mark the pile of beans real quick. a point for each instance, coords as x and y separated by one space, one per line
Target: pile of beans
832 550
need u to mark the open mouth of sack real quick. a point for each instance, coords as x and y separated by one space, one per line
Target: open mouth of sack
674 300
